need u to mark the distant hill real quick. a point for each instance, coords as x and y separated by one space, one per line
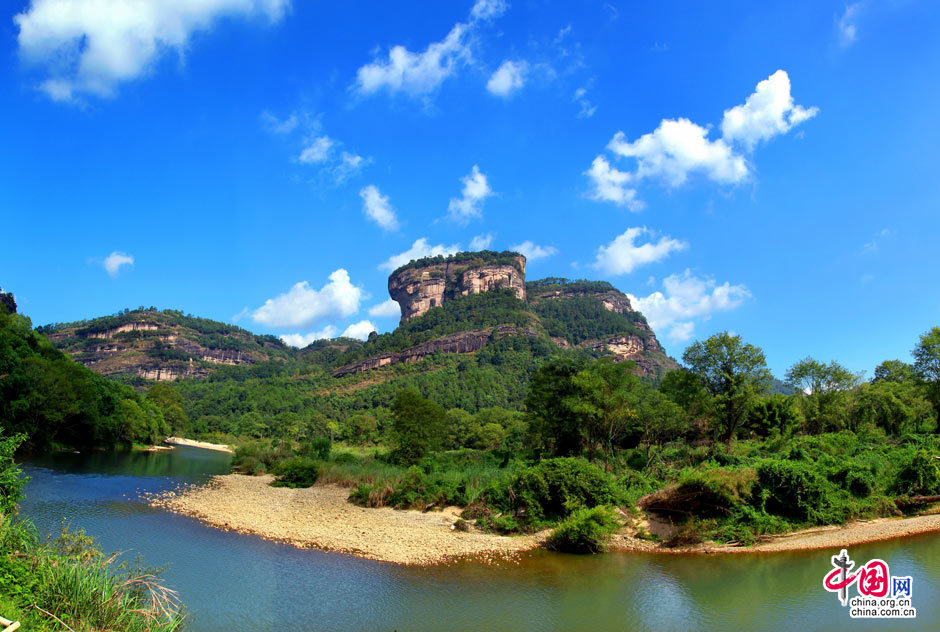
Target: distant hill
151 344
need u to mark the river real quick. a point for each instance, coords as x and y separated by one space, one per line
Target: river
234 582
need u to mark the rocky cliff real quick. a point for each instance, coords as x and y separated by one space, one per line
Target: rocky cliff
427 283
160 345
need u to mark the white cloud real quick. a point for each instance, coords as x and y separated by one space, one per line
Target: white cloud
88 47
302 340
587 108
385 310
113 262
316 151
481 242
349 165
847 27
280 126
623 254
475 191
416 73
678 148
508 78
303 304
534 252
488 9
360 330
419 74
611 185
685 298
376 207
418 250
768 112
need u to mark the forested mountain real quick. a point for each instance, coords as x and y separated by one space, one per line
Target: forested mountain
146 344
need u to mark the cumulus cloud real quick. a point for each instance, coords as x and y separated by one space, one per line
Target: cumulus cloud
508 78
609 184
846 24
302 304
349 165
534 252
769 112
385 310
316 151
470 205
376 207
360 330
678 148
421 73
418 250
114 261
88 47
684 299
302 340
481 242
623 254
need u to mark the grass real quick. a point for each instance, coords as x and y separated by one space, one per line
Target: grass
69 582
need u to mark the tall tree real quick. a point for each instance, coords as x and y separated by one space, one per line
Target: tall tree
927 364
823 393
734 372
554 426
606 399
418 425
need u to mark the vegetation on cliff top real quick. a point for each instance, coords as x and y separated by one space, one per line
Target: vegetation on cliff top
474 259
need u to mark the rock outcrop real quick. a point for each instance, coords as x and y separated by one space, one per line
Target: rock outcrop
429 283
463 342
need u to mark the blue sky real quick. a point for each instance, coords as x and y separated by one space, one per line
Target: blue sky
769 171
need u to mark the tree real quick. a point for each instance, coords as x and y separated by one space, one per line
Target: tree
895 407
927 364
418 425
553 425
170 403
824 388
895 371
734 372
606 400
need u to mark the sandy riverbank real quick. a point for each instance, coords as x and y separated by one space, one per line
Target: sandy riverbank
199 444
320 517
815 538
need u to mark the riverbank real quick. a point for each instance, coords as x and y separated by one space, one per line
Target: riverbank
815 538
321 517
199 444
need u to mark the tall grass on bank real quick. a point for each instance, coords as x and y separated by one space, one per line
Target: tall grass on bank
69 584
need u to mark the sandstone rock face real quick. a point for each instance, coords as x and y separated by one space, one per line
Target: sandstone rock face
419 289
463 342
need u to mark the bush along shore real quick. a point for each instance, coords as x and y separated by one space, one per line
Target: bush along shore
67 583
709 455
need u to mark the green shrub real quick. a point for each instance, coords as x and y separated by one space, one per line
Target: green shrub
318 448
296 472
552 490
791 489
344 458
585 531
919 476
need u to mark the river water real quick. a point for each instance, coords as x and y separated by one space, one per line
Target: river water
236 582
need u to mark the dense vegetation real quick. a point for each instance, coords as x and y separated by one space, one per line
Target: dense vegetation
577 319
474 259
712 448
68 583
53 400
